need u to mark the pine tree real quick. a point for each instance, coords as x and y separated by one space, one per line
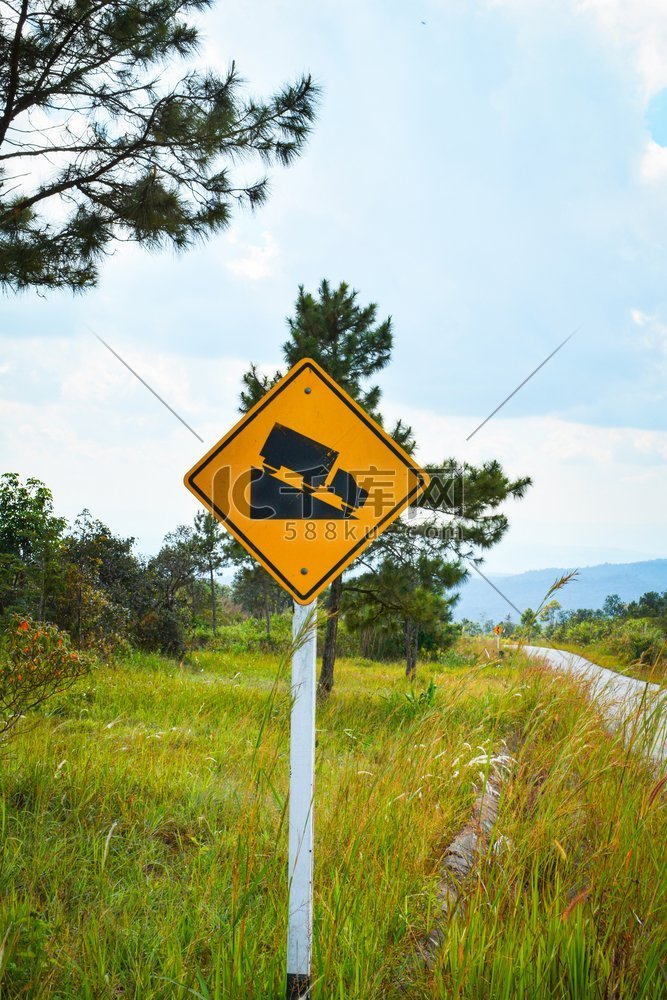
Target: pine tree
454 522
210 540
405 587
347 340
422 556
96 145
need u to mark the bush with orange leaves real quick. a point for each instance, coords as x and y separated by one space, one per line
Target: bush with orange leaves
36 661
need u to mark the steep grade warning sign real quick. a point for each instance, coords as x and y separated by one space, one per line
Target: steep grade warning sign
306 480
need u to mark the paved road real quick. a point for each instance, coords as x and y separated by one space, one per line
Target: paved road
625 701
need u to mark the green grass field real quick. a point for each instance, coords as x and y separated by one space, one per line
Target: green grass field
144 837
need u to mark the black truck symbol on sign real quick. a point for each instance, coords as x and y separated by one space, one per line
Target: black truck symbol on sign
299 480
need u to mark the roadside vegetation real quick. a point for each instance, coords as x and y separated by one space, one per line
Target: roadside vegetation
143 817
653 671
629 638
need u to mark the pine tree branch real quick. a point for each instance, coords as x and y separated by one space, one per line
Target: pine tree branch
13 71
59 50
79 180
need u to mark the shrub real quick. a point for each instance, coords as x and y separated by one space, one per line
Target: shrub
161 629
37 661
587 633
637 638
249 635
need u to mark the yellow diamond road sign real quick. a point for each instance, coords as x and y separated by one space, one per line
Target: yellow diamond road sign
306 480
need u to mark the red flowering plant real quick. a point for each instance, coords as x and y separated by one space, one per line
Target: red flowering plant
36 661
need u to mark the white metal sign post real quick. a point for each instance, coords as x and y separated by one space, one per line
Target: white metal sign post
301 789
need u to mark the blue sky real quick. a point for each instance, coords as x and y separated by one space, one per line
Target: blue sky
493 178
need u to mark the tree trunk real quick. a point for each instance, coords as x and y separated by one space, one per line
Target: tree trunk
42 587
411 640
213 618
267 613
79 612
365 643
326 681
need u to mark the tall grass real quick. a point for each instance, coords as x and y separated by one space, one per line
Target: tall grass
571 898
144 842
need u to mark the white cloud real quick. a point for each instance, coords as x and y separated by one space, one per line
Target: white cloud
78 420
653 163
585 484
654 332
255 262
639 26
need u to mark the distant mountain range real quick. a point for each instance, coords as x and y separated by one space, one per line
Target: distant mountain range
479 601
